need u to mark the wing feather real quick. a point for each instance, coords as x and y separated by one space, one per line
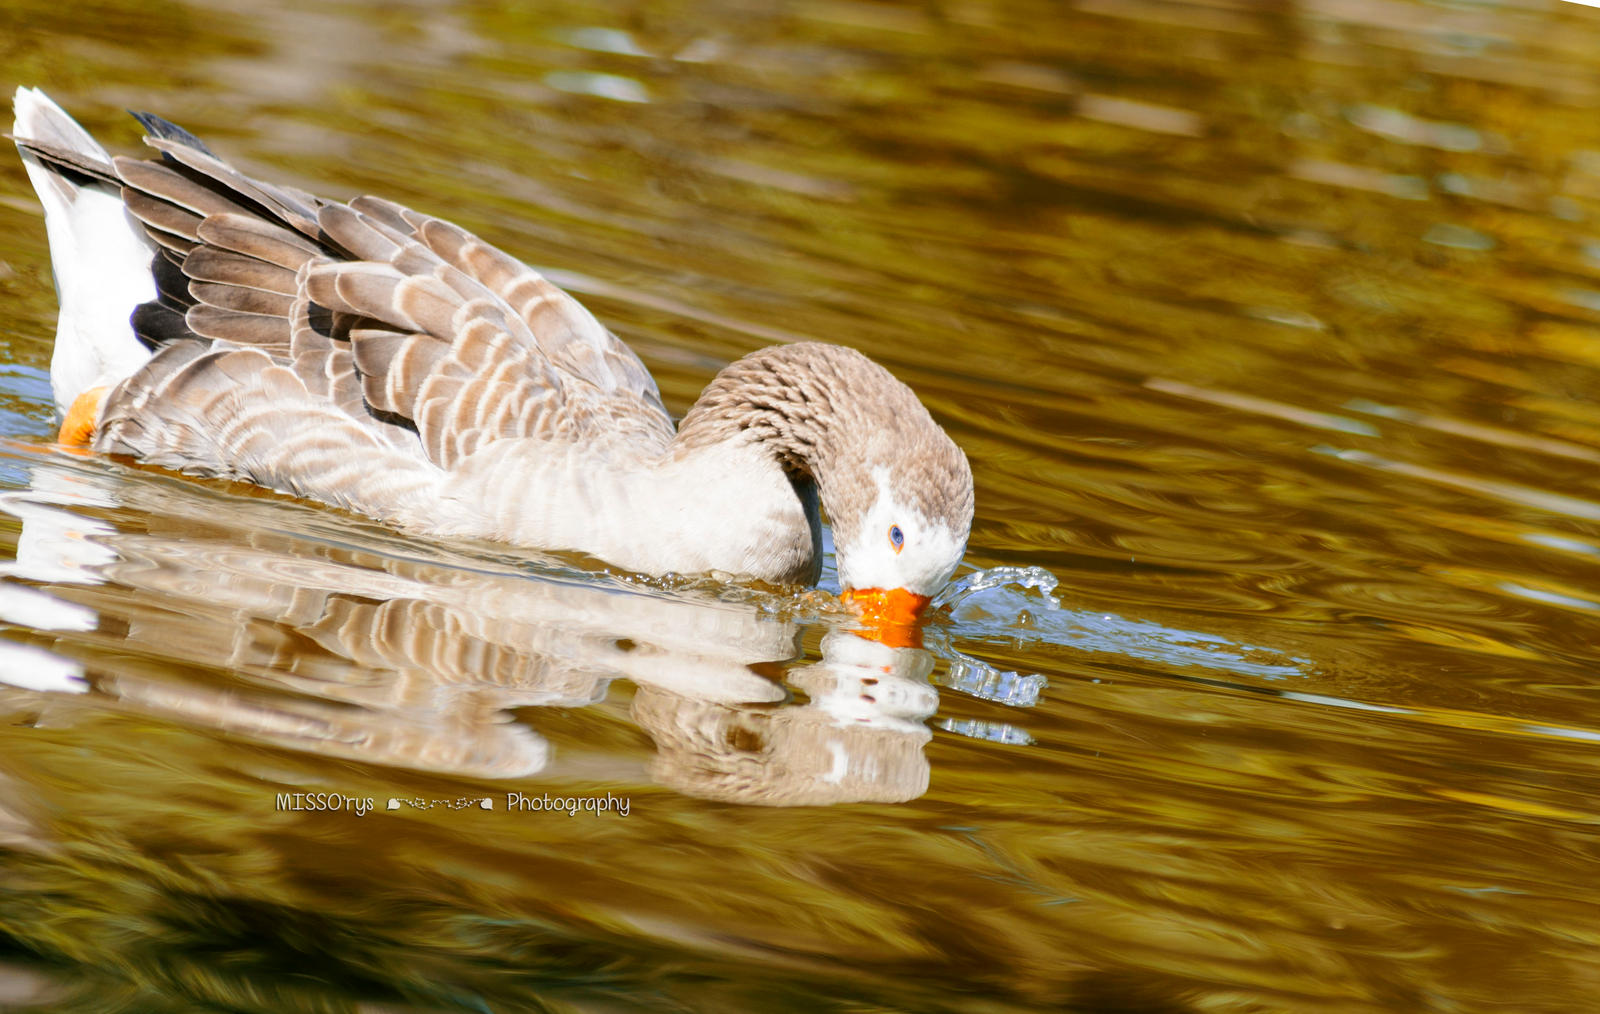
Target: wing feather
253 237
244 298
459 360
157 324
239 413
213 264
373 318
293 207
217 324
163 182
163 215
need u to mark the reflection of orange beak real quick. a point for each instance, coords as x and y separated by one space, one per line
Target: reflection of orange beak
889 615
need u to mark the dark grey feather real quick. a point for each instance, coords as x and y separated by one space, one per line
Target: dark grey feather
157 324
167 130
172 285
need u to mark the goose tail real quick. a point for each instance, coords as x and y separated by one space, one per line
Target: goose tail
99 252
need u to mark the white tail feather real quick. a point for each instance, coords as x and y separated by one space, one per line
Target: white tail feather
99 252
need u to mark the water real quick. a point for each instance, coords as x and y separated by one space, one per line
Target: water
1272 334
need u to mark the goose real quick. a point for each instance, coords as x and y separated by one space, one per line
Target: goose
392 364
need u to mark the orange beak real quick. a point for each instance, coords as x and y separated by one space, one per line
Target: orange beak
888 615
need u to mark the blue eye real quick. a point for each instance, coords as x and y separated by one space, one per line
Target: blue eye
897 538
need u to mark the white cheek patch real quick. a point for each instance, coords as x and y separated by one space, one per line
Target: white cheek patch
925 561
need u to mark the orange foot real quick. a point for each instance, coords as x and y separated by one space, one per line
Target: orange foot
78 427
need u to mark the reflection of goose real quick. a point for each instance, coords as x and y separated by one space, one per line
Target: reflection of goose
388 362
356 655
860 739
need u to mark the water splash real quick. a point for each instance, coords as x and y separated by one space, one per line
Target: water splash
1021 578
1019 605
977 678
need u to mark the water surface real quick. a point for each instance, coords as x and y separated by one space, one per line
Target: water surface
1272 333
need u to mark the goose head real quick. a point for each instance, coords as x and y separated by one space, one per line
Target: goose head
899 535
897 490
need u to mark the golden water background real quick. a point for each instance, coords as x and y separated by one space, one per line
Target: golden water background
1272 331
